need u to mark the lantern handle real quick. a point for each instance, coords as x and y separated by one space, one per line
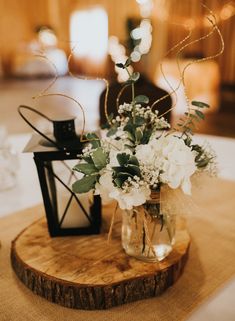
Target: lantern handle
33 127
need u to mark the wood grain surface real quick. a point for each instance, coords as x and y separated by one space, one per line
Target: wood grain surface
87 272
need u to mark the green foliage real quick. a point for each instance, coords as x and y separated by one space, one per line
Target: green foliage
138 135
93 140
125 65
123 158
139 121
146 136
134 77
135 134
85 184
129 167
118 181
202 160
133 160
86 168
188 141
120 65
138 132
199 114
99 158
112 130
188 123
141 99
94 162
200 104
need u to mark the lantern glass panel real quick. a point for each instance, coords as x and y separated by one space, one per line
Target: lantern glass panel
71 211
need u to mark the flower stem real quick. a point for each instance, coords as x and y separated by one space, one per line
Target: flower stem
133 94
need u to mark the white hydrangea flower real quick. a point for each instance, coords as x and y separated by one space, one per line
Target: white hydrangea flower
135 197
178 162
126 199
145 154
105 187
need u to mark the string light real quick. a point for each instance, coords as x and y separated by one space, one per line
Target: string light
143 32
146 7
227 11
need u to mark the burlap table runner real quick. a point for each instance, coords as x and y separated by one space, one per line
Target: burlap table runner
211 263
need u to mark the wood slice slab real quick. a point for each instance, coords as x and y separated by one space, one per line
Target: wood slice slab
85 272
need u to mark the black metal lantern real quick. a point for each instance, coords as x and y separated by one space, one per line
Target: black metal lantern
54 156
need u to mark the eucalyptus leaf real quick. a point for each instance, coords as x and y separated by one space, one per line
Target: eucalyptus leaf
95 143
88 159
203 163
123 158
86 169
197 148
131 147
91 136
128 62
110 116
131 137
188 141
197 158
133 170
199 114
120 65
141 99
118 181
124 176
118 169
200 104
139 121
138 135
99 158
93 140
112 131
133 160
84 184
130 128
135 76
190 115
146 136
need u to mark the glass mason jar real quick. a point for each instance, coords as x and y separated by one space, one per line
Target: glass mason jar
148 234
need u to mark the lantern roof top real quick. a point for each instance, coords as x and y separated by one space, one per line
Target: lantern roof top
38 144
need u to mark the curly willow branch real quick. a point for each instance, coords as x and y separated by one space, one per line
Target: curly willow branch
182 79
215 28
119 95
182 73
82 139
164 76
43 56
91 78
168 95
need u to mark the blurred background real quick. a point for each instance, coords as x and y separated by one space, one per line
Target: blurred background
39 39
